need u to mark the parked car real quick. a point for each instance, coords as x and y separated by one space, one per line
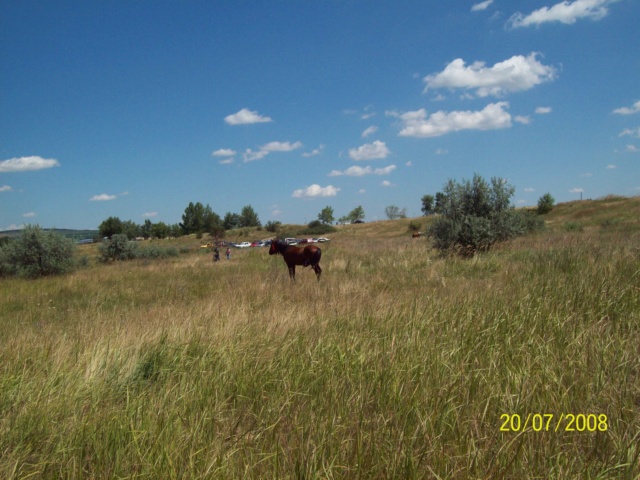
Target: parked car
323 239
308 240
291 241
358 221
242 245
261 243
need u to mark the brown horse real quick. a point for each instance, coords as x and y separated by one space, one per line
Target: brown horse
305 256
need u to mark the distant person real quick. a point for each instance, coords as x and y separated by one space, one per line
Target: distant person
216 254
228 253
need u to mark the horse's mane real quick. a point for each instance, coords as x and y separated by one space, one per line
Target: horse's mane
281 245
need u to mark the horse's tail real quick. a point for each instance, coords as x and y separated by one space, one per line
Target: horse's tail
315 259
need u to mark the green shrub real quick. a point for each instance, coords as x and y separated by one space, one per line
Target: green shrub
118 247
545 204
316 227
37 253
476 215
573 227
156 251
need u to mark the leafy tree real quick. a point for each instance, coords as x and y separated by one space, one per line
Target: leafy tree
249 218
357 214
440 198
231 221
160 230
111 226
212 221
428 204
131 229
545 204
326 215
37 253
476 214
392 212
146 229
273 227
192 218
175 230
199 219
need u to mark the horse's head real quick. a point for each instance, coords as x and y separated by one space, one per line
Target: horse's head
273 249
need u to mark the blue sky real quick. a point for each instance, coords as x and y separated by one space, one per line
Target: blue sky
136 108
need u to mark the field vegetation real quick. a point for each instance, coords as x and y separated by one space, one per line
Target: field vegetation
399 363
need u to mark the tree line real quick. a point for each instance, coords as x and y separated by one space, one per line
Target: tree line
197 218
200 219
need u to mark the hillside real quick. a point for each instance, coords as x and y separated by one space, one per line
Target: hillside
522 362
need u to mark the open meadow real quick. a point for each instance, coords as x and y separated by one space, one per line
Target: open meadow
523 362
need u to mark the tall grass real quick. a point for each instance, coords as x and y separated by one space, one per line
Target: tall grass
397 364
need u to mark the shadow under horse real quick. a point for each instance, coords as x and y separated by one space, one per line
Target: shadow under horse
306 256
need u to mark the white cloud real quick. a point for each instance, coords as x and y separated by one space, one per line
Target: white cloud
481 6
316 190
357 171
633 132
224 152
523 119
227 161
245 117
611 167
314 152
252 155
5 188
515 74
576 190
635 108
492 117
280 146
529 189
543 110
632 149
442 151
103 197
387 183
29 214
564 12
370 151
150 214
24 164
369 131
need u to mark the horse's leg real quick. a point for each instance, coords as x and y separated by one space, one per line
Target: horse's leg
318 270
292 272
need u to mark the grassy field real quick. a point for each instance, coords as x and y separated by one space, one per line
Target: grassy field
397 364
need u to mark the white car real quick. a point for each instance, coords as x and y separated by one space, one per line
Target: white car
322 239
243 245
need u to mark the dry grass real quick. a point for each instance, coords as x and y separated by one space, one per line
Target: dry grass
398 363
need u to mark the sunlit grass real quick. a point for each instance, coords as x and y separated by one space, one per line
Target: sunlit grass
398 363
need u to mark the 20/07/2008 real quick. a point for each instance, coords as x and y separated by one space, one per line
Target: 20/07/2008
539 422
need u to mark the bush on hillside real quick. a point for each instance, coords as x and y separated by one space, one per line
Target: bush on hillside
118 247
37 253
545 204
476 215
316 227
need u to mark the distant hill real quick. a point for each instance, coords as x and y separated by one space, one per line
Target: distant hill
76 235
